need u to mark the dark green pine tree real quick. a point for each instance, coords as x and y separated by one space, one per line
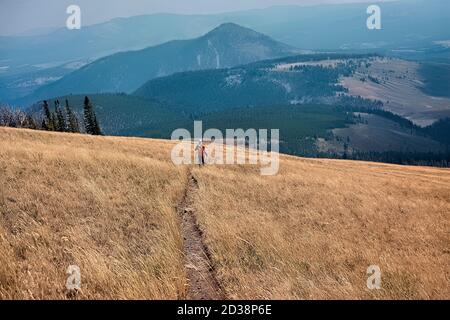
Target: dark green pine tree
55 117
90 120
61 120
49 122
87 116
72 121
97 130
44 125
29 122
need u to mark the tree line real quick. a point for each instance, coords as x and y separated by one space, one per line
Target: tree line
60 118
434 159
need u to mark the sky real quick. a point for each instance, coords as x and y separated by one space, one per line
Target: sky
18 16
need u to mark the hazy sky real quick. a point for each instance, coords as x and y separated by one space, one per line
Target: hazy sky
17 16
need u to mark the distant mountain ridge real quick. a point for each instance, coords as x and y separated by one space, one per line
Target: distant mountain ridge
411 29
226 46
405 23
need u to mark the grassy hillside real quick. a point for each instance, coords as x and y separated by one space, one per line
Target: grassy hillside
104 204
311 231
109 205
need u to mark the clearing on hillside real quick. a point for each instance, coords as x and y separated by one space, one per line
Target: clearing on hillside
400 86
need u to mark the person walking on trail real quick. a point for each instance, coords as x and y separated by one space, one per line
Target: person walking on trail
201 153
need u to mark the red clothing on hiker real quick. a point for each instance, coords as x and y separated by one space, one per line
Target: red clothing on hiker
201 149
203 153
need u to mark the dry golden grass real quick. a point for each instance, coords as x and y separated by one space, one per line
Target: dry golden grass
310 232
107 205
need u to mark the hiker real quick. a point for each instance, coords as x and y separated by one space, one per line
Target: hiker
201 152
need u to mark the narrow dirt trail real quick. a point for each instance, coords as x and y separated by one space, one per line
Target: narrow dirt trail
202 283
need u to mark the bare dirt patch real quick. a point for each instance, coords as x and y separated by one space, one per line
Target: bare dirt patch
202 284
